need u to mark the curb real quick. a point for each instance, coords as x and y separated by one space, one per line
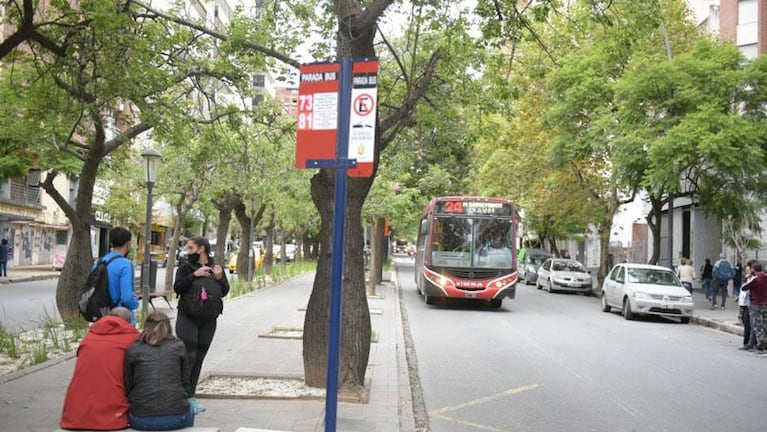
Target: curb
406 413
5 379
718 325
28 279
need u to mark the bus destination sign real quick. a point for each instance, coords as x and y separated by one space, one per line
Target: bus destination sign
474 208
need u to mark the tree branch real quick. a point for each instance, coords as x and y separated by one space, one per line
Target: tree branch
63 204
127 135
220 36
405 112
47 43
372 13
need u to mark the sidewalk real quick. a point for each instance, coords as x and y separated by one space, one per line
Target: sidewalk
724 320
29 273
33 401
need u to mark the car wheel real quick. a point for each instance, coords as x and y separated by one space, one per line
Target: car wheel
496 303
548 286
587 293
605 306
685 320
627 313
537 285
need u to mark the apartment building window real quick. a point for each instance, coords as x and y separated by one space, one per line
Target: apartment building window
258 100
747 33
17 191
259 80
61 238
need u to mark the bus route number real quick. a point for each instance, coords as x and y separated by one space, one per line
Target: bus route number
454 207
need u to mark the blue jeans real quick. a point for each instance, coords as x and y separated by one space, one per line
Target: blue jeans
687 285
707 288
720 289
3 268
163 422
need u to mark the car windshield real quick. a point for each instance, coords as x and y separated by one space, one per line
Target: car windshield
537 260
652 276
472 242
568 266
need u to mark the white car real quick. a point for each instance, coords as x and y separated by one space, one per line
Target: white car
563 274
640 289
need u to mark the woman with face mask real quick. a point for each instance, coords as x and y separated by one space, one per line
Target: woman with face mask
201 285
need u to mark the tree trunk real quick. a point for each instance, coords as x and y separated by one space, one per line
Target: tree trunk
306 243
222 234
654 223
377 250
355 319
269 246
181 210
244 255
553 247
79 255
283 247
604 252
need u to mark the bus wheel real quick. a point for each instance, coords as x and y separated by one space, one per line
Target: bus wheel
430 300
496 303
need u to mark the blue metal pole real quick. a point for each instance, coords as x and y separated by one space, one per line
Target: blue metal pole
339 219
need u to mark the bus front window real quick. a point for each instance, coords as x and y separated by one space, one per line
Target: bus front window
451 242
472 242
493 243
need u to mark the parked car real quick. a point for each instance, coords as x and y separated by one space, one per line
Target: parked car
564 274
528 268
258 260
640 289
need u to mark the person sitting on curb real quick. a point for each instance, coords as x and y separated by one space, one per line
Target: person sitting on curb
156 375
95 398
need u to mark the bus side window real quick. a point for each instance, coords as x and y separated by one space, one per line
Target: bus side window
423 233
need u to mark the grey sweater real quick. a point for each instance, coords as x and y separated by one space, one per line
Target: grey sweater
155 378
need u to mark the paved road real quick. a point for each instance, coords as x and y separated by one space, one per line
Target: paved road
554 362
24 305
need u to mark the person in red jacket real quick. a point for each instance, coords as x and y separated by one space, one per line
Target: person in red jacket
96 398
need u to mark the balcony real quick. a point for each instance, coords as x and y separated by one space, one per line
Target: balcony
15 191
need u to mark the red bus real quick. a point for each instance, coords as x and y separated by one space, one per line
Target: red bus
466 249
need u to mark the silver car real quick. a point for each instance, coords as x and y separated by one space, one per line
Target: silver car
640 289
563 274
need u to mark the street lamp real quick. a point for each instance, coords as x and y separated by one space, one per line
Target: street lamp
151 166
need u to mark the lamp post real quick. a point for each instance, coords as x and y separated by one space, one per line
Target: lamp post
151 166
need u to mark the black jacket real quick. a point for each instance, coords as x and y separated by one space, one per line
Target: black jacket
155 378
185 276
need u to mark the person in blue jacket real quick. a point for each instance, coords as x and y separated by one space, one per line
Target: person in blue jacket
120 271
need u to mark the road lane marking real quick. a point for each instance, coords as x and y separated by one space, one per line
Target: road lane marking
465 423
485 399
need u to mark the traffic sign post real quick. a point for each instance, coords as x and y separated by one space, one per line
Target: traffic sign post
337 102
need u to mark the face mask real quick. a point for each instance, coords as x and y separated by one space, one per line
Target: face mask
193 258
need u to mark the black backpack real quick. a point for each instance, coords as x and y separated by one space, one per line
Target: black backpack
95 300
204 301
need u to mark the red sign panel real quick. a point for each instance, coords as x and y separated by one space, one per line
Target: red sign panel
317 112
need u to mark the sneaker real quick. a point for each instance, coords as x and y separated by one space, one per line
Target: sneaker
713 307
722 307
196 405
745 348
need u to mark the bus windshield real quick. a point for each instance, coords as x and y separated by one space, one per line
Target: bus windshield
472 242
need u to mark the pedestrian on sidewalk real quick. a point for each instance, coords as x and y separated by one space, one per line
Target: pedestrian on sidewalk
686 273
749 337
737 279
120 271
722 272
201 285
4 257
156 371
757 289
706 276
96 397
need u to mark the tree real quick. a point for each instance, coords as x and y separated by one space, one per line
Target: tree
113 58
